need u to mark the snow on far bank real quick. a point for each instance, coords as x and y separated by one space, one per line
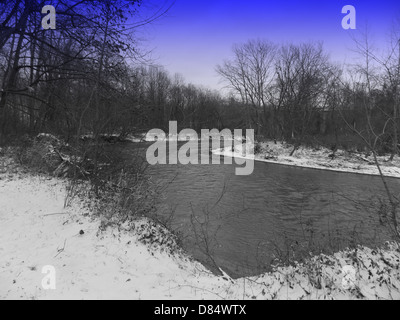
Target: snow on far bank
279 153
36 231
153 137
192 136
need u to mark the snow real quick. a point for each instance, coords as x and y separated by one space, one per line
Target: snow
152 137
93 262
279 153
135 138
47 135
181 137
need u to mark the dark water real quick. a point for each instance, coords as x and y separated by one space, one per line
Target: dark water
243 223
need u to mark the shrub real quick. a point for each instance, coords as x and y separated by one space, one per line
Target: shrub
258 148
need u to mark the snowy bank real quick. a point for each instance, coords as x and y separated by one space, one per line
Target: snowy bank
322 158
92 262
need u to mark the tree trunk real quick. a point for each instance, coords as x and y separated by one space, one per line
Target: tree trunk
10 83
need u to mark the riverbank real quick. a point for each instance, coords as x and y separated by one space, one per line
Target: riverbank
93 262
321 158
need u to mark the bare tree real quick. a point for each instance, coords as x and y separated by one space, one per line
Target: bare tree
382 73
250 75
368 84
304 74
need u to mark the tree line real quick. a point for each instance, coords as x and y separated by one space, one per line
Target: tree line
89 75
294 92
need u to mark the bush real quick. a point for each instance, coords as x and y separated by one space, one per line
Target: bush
35 155
258 148
118 181
130 198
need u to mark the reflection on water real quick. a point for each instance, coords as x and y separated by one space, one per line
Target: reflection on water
278 211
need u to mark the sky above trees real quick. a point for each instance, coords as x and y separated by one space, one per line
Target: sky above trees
196 35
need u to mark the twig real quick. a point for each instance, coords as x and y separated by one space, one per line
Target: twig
53 214
61 250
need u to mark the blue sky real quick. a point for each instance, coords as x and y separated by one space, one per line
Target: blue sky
196 35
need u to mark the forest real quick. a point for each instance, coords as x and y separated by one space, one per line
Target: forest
89 75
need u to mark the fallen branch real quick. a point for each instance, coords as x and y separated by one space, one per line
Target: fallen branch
53 214
61 250
364 159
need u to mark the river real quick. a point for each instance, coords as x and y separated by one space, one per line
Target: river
243 224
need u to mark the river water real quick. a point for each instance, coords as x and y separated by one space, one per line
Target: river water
243 224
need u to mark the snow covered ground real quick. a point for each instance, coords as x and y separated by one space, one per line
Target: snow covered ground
37 231
343 161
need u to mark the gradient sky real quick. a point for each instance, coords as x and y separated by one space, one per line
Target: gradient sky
196 35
